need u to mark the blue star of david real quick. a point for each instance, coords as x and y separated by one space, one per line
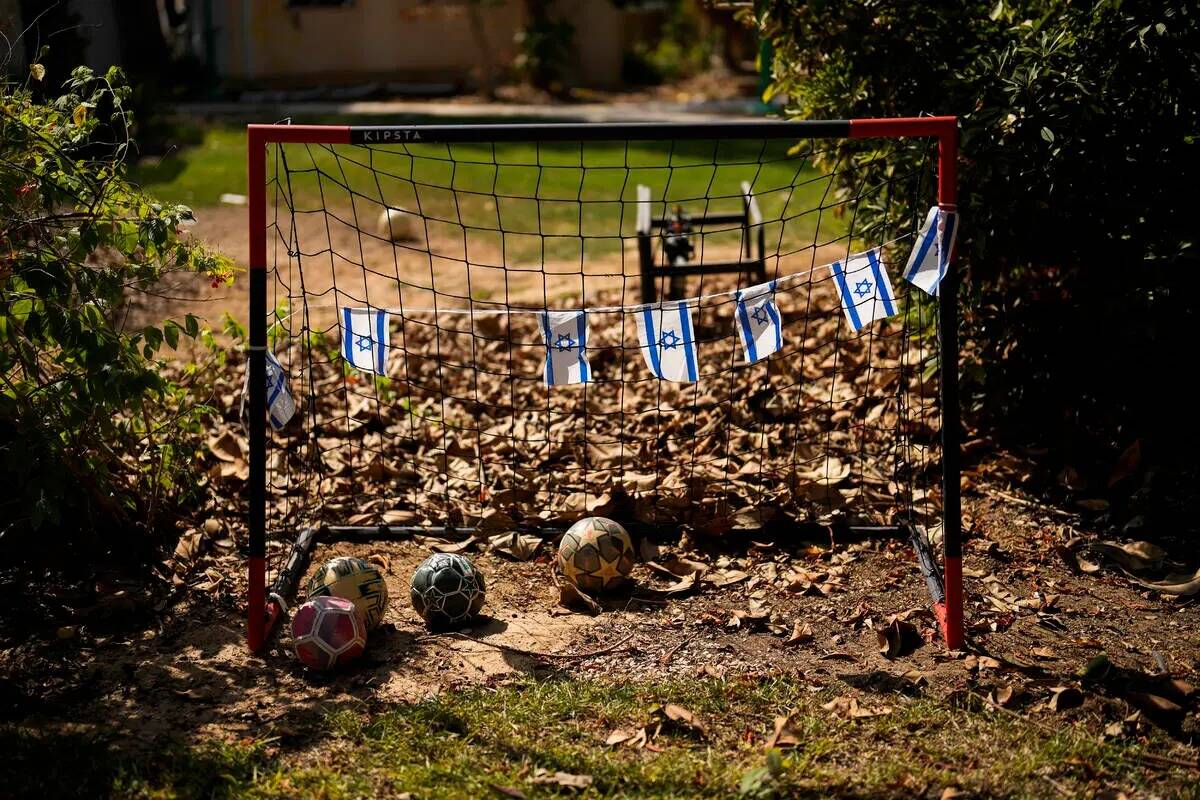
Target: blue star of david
863 288
564 342
365 343
669 340
760 314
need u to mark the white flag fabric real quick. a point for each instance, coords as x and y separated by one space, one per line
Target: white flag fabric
930 256
759 324
565 334
668 344
365 338
281 407
865 289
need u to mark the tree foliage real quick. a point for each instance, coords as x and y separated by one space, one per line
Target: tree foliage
1078 169
94 437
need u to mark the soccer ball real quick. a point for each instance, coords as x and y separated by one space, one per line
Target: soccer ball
355 580
328 632
596 554
398 225
447 590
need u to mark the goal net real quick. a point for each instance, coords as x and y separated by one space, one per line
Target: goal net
496 328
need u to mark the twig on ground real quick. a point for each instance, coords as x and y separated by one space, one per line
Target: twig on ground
1012 498
666 657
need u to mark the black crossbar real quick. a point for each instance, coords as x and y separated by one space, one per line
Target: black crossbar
600 132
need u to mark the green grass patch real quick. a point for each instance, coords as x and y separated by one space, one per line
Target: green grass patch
480 742
530 201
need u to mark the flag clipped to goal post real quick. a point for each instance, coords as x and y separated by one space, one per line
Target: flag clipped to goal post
365 338
565 334
865 289
281 406
668 344
759 323
930 256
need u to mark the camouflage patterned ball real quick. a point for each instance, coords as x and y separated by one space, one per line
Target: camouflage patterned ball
596 554
447 590
355 580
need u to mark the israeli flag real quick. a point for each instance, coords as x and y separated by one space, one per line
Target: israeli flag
281 406
365 338
865 289
930 256
759 324
668 344
565 334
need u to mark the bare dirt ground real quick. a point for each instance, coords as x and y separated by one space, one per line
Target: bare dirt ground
805 609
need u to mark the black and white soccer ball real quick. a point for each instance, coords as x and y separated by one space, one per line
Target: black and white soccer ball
447 590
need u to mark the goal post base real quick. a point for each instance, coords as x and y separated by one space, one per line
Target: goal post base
287 581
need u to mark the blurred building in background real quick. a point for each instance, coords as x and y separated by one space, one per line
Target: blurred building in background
355 48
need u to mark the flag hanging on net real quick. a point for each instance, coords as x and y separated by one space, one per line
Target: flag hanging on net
865 289
930 257
281 406
760 327
565 335
365 338
667 340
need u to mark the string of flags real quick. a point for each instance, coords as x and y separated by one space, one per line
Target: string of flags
666 334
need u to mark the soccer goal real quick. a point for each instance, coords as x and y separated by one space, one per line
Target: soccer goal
734 329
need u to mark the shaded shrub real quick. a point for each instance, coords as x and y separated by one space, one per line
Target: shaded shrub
94 437
1079 160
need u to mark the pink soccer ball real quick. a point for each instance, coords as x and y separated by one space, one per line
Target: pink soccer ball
328 632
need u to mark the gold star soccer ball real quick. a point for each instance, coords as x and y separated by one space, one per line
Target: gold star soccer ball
355 580
596 554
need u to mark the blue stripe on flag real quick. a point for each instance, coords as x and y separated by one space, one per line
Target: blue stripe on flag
275 390
847 300
686 325
545 317
380 355
747 333
347 333
581 331
774 314
926 243
884 294
652 341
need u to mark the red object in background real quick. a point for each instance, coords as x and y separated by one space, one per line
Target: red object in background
328 632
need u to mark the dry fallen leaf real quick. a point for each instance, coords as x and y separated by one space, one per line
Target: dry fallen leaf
618 736
1064 698
572 597
785 733
898 638
565 779
679 714
802 633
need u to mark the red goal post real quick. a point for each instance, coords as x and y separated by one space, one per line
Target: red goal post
945 584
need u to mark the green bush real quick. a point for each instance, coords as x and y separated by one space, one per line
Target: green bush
94 437
1078 170
679 49
545 47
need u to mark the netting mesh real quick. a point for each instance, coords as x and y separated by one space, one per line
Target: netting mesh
462 428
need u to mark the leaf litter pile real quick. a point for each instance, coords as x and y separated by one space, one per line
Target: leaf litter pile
835 427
